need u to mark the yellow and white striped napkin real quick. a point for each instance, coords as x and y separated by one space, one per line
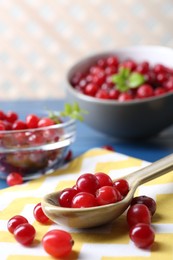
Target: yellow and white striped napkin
102 243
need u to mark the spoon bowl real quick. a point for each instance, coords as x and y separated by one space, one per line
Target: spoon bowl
96 216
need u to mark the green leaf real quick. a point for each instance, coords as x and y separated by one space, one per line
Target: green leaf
76 107
124 72
68 109
54 117
125 79
73 111
122 87
135 79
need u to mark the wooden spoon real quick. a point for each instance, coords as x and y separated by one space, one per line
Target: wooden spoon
95 216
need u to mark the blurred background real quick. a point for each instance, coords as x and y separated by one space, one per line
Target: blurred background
41 39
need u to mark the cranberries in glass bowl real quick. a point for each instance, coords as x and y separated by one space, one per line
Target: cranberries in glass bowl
128 92
33 144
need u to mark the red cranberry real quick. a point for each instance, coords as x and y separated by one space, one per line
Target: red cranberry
91 89
112 61
102 94
125 96
145 91
159 91
143 67
19 125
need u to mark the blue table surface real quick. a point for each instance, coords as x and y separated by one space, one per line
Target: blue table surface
87 138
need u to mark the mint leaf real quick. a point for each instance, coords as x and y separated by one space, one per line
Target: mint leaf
54 117
135 79
121 78
73 111
122 87
68 109
125 79
124 72
76 107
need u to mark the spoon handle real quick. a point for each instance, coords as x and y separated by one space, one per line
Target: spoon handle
155 170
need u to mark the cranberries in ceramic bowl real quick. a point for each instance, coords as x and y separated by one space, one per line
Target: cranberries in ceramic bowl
33 144
128 92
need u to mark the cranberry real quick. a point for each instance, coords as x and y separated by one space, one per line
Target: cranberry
112 61
39 214
143 67
14 178
138 213
111 70
89 78
82 84
125 96
2 126
161 77
66 196
130 64
145 91
25 234
43 122
109 82
36 139
76 79
2 115
8 125
169 84
118 194
87 182
32 121
149 202
96 70
99 79
68 156
106 195
102 94
122 186
57 243
11 116
159 91
159 68
83 200
14 222
108 147
19 125
91 89
114 94
101 63
142 235
104 179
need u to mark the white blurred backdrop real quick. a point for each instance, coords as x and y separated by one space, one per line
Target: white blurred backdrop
40 39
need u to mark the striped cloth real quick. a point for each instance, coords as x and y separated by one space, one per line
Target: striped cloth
108 242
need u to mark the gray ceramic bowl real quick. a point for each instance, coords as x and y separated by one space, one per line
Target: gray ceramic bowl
133 119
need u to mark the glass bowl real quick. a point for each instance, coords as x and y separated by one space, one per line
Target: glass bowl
37 151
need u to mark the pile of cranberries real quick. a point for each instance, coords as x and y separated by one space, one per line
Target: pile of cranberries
97 80
99 189
59 243
56 242
11 121
139 216
93 190
21 135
